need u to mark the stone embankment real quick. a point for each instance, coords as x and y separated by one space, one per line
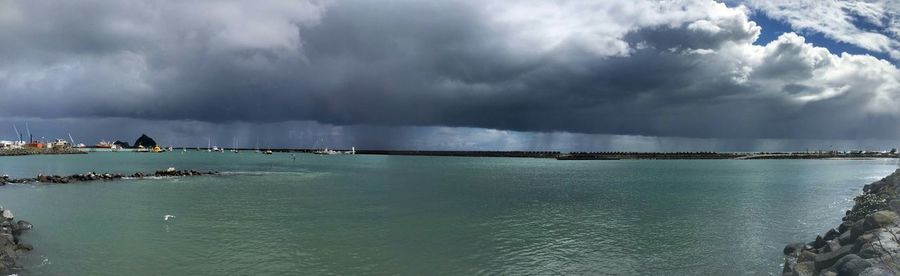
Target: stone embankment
11 246
92 176
866 243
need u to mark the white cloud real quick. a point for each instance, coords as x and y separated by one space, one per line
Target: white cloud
842 20
599 27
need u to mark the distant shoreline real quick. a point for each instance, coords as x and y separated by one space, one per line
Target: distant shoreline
545 154
614 155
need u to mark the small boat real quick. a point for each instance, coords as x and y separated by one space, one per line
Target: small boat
268 152
104 145
141 148
326 152
156 149
335 152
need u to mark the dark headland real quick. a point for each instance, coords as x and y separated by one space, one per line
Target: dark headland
865 243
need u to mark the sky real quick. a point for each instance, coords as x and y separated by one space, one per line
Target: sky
456 74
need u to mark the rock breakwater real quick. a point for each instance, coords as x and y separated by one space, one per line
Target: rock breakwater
865 243
34 151
93 176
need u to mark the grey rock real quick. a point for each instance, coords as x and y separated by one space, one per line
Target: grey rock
6 239
862 241
895 204
24 225
831 245
867 252
883 218
7 214
805 268
850 265
846 238
858 228
829 258
788 268
24 247
793 248
819 243
806 256
876 271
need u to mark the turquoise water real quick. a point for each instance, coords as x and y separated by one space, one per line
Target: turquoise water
427 215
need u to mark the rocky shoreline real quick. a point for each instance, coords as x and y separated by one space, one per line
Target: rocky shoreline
865 243
11 246
93 176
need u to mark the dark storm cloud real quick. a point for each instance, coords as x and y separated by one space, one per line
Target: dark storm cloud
636 68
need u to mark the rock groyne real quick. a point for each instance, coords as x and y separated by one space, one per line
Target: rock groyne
36 151
865 243
11 246
93 176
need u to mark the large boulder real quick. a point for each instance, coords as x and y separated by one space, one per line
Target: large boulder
831 234
806 256
819 243
850 265
882 218
877 271
830 258
24 225
793 248
7 214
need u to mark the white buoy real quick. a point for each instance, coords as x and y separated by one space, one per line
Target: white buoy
167 217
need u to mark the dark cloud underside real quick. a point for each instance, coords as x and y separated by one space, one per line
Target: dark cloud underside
687 69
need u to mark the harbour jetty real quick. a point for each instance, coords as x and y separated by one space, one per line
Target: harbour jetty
865 243
93 176
11 245
610 155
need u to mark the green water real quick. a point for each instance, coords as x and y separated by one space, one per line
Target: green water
427 215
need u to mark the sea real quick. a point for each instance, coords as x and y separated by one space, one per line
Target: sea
304 214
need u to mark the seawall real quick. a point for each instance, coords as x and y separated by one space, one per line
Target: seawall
865 243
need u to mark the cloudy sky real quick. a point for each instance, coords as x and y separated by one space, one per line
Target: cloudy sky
456 74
